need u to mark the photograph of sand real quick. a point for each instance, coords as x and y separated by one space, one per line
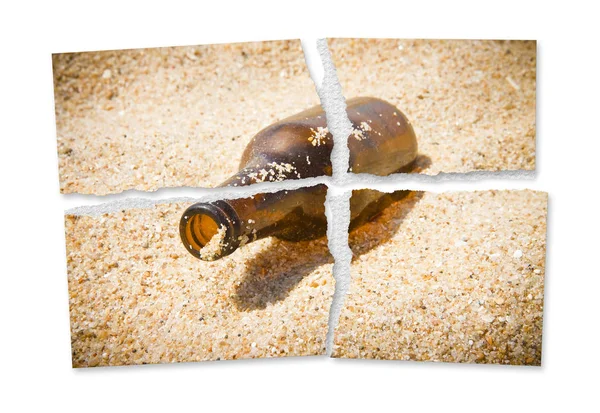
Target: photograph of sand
472 103
175 116
450 277
136 296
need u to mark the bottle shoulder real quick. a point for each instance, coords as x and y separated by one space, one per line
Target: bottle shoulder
304 143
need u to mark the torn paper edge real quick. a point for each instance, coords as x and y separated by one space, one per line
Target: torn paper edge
337 210
338 123
119 201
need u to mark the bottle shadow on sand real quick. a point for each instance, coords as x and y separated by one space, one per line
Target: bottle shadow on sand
382 227
273 273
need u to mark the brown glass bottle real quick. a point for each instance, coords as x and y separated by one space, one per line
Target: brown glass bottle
383 142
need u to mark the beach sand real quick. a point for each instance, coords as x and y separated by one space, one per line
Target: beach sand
471 102
136 296
177 116
451 277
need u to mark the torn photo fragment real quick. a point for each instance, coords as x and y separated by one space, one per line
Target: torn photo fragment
176 116
469 104
449 277
138 296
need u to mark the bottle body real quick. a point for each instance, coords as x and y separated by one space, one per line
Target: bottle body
382 143
383 140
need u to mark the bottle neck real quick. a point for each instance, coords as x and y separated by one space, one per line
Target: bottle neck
236 222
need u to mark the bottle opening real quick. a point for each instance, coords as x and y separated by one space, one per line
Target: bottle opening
199 230
207 232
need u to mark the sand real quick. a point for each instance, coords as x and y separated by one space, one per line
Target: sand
471 102
179 116
136 296
454 277
215 245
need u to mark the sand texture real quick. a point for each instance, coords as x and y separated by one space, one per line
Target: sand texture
136 296
453 277
163 117
471 102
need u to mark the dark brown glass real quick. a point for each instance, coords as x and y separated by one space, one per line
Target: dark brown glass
383 142
290 215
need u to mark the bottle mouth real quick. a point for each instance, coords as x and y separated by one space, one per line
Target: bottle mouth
210 231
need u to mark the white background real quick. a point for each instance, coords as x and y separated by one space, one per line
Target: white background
35 341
